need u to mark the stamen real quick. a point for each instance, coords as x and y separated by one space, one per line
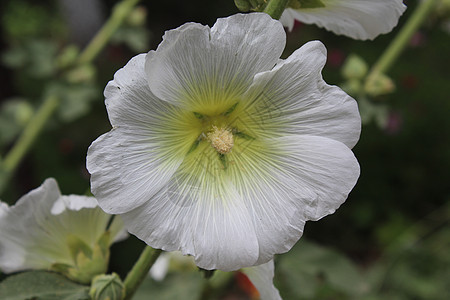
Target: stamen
221 139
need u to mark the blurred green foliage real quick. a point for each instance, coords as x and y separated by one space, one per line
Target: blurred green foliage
390 240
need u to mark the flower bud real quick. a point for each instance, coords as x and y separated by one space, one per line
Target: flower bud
137 17
23 112
379 84
354 67
107 287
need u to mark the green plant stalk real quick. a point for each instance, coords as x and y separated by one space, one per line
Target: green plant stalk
29 134
403 37
275 8
51 103
120 11
140 270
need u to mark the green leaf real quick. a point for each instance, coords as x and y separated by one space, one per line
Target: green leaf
180 285
41 285
76 99
309 269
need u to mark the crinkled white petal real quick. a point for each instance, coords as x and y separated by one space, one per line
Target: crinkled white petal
201 214
129 164
289 180
293 98
16 234
358 19
262 278
3 209
73 202
33 237
196 65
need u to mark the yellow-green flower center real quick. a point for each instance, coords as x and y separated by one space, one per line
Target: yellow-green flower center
221 139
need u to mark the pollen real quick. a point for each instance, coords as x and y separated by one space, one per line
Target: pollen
221 139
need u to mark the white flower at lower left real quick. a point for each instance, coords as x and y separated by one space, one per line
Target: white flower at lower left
67 234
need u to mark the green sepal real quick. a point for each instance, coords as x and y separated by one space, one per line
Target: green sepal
194 145
230 110
198 115
242 135
107 287
298 4
243 5
224 160
88 262
76 246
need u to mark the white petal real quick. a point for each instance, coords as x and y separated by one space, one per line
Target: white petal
148 142
118 230
159 269
88 224
287 19
262 278
195 66
295 179
17 236
73 202
201 214
34 231
4 208
358 19
294 99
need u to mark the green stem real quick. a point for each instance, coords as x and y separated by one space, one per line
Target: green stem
403 37
51 103
140 270
28 136
275 8
120 12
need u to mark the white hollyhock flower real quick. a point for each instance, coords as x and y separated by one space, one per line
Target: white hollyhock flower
358 19
220 149
45 230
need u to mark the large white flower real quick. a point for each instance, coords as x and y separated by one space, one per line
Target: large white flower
45 230
358 19
220 149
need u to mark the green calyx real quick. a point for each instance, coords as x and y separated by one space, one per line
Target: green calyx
250 5
298 4
87 261
107 287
